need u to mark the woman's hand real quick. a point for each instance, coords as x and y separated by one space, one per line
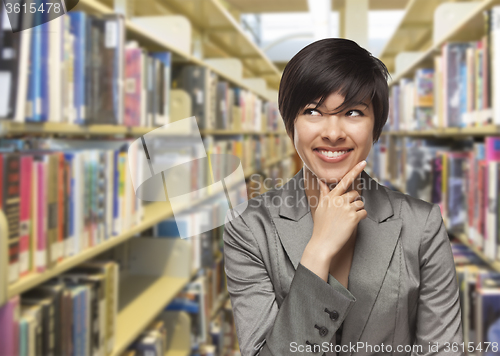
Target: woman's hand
337 215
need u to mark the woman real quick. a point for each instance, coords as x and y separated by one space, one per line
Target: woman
333 263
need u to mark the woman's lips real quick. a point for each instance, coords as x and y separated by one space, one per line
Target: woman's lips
332 159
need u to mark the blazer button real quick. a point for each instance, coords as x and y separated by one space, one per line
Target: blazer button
313 346
322 330
334 315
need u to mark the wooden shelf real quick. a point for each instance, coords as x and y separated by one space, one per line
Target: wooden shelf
255 56
416 24
153 214
463 239
142 298
178 353
221 29
241 132
454 34
450 132
53 128
220 303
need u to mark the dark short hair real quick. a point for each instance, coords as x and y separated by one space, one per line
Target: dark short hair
334 65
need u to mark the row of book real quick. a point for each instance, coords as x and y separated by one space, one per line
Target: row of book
202 226
80 69
221 341
217 105
151 342
72 314
223 332
463 178
61 202
479 288
196 299
458 92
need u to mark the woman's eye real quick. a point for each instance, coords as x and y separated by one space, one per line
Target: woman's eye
356 112
312 112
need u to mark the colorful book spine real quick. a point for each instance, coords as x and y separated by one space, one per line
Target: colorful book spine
116 190
133 86
79 31
33 103
61 200
166 59
25 215
9 327
41 258
10 206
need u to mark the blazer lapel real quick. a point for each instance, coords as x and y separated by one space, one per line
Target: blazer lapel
375 243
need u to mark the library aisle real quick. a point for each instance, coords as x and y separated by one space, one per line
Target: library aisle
104 104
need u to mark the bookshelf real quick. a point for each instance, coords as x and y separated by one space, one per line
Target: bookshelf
233 57
142 299
152 41
466 28
443 60
65 129
153 214
225 35
449 132
494 264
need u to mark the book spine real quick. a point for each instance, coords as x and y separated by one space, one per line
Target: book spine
52 210
110 164
33 105
116 201
44 73
495 62
79 203
11 198
61 202
69 206
79 31
25 216
41 252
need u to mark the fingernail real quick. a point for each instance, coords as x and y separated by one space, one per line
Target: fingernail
362 163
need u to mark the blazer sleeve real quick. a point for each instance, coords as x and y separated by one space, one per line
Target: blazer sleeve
311 312
438 314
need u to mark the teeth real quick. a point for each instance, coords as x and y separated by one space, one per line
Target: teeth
332 154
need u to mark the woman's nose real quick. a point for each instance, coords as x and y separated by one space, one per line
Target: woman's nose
333 129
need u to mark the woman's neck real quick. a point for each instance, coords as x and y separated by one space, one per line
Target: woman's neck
312 189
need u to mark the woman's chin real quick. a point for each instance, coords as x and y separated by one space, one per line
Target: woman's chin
330 175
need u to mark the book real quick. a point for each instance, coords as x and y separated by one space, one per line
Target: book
9 326
11 165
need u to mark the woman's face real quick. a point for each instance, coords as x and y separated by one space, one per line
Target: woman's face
348 136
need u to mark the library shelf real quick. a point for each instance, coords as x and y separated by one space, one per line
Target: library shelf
449 132
241 132
142 298
155 43
153 214
454 33
416 24
221 300
10 128
178 353
211 18
463 239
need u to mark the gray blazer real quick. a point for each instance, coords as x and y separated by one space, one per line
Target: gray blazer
402 288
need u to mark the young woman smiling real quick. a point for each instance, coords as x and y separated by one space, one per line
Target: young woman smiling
332 262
